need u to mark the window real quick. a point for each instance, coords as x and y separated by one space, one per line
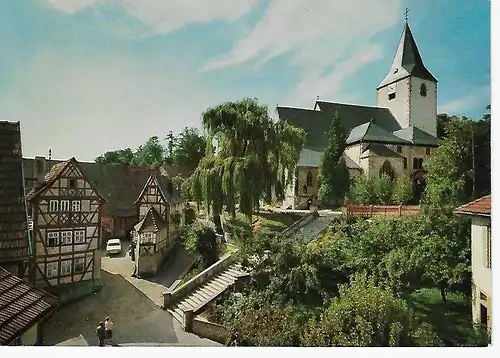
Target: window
405 163
52 269
423 90
79 237
388 170
79 264
67 237
72 183
399 149
66 267
420 163
428 151
487 247
64 205
76 205
53 238
53 205
483 315
147 237
392 96
309 178
304 189
152 190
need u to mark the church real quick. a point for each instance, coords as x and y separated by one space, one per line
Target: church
396 137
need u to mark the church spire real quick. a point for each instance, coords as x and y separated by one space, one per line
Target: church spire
407 61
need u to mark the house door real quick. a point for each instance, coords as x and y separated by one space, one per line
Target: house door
484 315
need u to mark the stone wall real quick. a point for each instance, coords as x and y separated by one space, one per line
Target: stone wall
71 292
210 330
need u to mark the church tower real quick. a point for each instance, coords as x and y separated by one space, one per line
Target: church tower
409 90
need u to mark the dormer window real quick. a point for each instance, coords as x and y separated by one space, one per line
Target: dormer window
423 90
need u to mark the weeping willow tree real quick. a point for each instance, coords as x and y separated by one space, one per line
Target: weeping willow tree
248 158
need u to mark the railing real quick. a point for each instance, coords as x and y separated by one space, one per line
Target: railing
382 210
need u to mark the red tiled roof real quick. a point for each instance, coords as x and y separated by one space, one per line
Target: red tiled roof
481 206
21 306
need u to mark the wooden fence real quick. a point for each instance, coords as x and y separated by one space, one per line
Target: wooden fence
369 211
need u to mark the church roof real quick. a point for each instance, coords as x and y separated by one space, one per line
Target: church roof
407 61
316 122
374 149
417 136
370 132
311 158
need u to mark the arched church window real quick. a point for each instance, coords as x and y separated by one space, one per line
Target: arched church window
405 163
423 90
304 189
420 163
309 178
388 170
415 163
399 149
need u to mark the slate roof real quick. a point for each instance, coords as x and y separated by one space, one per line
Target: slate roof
14 239
21 306
481 207
370 132
407 61
375 149
311 158
152 221
417 136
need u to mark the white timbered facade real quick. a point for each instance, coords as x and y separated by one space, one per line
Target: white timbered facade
66 214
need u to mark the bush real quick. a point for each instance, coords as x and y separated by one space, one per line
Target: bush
202 240
403 191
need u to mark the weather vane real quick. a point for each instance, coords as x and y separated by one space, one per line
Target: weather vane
406 14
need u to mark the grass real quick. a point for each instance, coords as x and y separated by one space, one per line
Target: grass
451 321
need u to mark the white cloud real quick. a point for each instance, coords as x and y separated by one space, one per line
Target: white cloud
84 106
167 15
478 97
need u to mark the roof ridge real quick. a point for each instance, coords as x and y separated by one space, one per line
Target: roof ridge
353 104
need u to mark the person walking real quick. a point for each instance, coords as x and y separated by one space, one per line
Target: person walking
101 333
108 326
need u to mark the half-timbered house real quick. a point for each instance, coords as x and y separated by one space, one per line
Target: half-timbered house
14 236
66 212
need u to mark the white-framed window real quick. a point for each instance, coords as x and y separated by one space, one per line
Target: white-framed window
76 205
64 205
152 190
66 237
53 238
79 236
52 269
53 205
66 267
487 248
147 237
79 264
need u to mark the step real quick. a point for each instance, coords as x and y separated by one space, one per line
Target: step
197 297
210 292
235 272
224 281
202 294
185 305
226 278
193 302
227 275
216 286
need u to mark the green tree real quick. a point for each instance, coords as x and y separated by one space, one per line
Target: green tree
333 174
189 148
383 187
201 240
403 190
362 191
122 156
170 148
151 153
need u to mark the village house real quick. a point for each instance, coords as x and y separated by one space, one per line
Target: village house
395 137
482 301
66 213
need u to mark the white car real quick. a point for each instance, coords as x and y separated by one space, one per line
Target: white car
114 246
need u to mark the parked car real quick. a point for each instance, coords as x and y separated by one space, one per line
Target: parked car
114 246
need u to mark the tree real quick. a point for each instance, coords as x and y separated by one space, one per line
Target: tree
251 161
403 190
189 148
170 148
362 191
365 315
122 156
382 188
333 176
151 153
202 240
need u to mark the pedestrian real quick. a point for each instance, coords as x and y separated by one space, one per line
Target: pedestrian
101 333
108 325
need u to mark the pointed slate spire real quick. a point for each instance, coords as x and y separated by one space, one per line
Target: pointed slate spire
407 61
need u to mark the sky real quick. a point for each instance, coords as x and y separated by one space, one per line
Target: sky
87 76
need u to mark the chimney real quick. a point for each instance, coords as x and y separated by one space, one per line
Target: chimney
40 169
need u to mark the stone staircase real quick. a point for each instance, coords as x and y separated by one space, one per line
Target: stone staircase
207 292
316 227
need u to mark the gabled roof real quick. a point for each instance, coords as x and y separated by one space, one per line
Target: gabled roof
54 174
375 149
417 136
152 220
311 158
370 132
407 61
481 207
14 243
316 123
21 306
165 185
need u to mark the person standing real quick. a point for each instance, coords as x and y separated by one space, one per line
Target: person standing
101 333
108 326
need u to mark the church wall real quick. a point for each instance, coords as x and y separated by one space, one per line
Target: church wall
354 152
399 106
376 163
410 152
423 110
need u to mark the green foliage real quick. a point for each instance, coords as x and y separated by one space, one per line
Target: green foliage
333 176
189 216
123 156
362 191
382 188
150 153
176 218
201 240
365 315
403 191
188 148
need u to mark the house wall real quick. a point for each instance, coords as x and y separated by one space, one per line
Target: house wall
423 110
29 338
399 106
481 275
149 258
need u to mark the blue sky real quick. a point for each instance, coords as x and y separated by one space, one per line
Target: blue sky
87 76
